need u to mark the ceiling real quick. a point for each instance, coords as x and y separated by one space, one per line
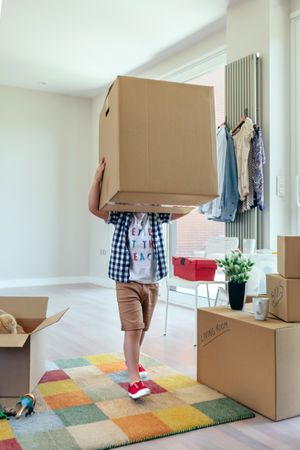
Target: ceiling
78 46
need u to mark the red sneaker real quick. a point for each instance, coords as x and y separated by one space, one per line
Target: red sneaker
143 373
138 389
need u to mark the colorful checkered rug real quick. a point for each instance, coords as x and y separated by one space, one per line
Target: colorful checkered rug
82 403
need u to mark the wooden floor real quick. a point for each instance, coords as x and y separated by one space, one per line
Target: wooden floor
91 326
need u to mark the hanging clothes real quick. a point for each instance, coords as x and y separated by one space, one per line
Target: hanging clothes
223 208
212 209
249 201
240 161
230 193
259 159
242 142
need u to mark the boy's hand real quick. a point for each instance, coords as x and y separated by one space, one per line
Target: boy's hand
100 170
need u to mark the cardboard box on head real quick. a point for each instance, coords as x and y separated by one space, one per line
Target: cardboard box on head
159 141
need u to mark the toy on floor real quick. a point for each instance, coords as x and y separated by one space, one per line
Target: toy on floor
6 413
8 324
26 403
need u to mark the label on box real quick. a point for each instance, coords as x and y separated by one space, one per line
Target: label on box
212 333
277 295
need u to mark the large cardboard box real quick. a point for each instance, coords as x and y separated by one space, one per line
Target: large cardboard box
284 296
254 362
22 361
159 141
289 256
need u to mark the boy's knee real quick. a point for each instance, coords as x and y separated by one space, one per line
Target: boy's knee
136 330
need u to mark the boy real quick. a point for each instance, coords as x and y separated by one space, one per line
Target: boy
137 263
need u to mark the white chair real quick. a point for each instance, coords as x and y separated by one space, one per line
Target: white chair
217 247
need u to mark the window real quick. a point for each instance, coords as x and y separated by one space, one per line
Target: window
191 233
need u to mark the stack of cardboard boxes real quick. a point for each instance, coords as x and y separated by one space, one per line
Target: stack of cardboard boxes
257 362
283 288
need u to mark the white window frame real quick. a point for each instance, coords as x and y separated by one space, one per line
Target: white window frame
200 66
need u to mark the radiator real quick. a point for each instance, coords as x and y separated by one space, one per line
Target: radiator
243 96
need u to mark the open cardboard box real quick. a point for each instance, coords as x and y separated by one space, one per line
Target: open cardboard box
254 362
159 141
22 362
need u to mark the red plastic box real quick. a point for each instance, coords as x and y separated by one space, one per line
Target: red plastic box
194 269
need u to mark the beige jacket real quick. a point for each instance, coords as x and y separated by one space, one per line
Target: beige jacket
242 143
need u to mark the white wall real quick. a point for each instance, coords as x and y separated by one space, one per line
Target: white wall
100 232
262 26
294 5
279 119
44 178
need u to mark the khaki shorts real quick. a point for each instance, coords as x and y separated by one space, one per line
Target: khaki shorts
136 303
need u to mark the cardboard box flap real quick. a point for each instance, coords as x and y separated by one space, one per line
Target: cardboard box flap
247 316
13 340
25 307
50 321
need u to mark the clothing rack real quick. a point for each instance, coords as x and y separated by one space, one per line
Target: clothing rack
243 94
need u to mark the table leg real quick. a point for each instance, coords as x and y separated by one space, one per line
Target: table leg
167 309
208 297
196 309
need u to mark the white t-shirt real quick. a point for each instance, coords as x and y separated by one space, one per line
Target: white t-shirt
142 263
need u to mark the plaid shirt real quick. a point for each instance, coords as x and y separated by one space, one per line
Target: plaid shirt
119 264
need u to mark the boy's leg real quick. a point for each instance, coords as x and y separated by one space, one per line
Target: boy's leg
150 296
149 300
142 337
131 316
132 353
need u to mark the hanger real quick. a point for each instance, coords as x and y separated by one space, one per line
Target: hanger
223 124
241 122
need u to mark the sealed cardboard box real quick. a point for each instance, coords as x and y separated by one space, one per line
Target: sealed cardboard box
284 296
254 362
159 141
22 361
289 256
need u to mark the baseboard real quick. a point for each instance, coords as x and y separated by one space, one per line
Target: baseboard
43 281
52 281
104 282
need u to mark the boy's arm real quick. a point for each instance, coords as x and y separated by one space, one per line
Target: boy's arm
95 191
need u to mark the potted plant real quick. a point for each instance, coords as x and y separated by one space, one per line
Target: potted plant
237 268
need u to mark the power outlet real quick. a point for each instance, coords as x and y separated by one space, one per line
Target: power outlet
280 185
102 251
